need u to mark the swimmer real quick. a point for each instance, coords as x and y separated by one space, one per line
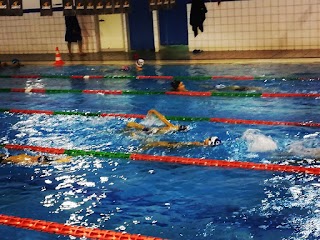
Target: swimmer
25 159
211 141
178 86
298 149
258 142
169 127
237 88
139 64
16 63
3 64
125 68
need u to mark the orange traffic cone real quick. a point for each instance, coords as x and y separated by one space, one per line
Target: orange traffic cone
58 61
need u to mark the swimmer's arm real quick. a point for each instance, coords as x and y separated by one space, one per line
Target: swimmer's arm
172 144
161 117
135 125
162 144
22 158
63 160
164 130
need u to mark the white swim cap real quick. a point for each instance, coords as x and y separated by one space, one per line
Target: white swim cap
220 86
214 141
140 62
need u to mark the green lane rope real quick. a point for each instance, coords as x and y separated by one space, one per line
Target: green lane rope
97 153
138 92
5 89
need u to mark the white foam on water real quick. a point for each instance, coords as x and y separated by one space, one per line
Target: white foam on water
258 142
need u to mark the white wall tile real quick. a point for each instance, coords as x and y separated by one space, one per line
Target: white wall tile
234 25
267 24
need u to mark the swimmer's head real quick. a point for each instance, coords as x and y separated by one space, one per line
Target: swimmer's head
3 64
175 84
15 61
212 141
182 128
2 157
140 63
43 159
146 129
178 86
220 86
125 68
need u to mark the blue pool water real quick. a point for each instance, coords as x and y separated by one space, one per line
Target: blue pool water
163 200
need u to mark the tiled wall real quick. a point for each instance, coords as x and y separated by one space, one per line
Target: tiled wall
32 33
234 25
259 25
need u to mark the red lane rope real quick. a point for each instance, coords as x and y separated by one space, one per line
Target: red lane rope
95 76
188 93
179 160
155 77
77 76
25 76
124 115
36 148
67 230
33 90
141 116
262 122
225 164
27 111
18 89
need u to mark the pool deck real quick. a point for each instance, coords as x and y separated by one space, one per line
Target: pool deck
173 56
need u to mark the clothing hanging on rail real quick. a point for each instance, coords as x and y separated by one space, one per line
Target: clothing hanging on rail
197 15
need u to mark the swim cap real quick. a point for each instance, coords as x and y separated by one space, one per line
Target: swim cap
146 129
15 60
2 157
214 141
43 159
220 86
182 128
140 62
175 84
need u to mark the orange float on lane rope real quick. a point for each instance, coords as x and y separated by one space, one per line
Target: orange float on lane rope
225 164
63 229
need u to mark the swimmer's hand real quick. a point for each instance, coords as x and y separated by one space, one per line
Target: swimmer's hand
63 160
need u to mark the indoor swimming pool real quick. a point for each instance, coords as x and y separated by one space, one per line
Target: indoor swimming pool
275 121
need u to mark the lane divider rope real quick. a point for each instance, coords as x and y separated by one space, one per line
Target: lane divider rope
159 77
141 92
175 118
68 230
170 159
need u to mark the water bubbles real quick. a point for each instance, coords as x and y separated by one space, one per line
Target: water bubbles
47 181
67 205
